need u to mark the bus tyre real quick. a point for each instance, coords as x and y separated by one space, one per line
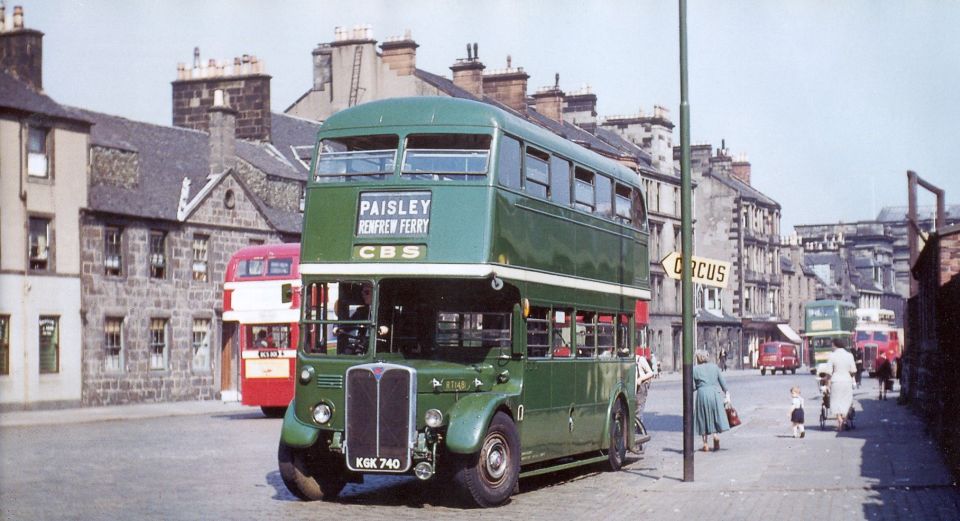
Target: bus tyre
305 478
763 371
617 453
489 476
273 412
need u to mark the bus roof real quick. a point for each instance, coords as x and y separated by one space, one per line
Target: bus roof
828 303
287 249
440 111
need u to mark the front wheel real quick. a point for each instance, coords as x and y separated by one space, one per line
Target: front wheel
618 437
305 476
273 412
489 476
763 371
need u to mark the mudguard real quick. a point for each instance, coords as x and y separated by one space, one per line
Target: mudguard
619 390
469 418
295 433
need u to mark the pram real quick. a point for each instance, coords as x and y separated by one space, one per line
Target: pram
825 405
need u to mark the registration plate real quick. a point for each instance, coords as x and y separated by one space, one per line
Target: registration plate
377 463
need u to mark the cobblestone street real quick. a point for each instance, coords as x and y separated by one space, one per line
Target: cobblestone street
207 460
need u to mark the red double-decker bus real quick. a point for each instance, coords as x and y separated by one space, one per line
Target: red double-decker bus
876 336
261 294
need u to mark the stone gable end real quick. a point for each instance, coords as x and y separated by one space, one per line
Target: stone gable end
215 208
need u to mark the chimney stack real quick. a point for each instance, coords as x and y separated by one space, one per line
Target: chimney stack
222 121
244 84
741 169
21 50
400 54
580 108
549 100
508 86
468 73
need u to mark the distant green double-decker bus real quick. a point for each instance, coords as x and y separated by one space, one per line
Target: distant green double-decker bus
824 321
469 288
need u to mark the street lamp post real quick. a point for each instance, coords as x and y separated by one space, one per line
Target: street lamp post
686 228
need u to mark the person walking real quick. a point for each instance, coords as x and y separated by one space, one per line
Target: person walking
722 359
884 375
708 406
841 367
796 411
858 359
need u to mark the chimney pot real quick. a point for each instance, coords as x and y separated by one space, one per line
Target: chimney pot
196 57
18 17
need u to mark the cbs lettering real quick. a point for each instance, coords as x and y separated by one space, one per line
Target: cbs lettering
407 252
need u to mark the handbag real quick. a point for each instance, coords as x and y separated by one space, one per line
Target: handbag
732 417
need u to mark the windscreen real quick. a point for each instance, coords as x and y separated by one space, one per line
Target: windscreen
446 156
356 158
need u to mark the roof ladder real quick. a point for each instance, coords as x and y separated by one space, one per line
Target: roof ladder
355 81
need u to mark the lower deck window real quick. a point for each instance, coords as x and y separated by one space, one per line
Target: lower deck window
473 329
49 344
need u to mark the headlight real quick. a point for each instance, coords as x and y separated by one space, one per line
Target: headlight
306 374
434 418
322 413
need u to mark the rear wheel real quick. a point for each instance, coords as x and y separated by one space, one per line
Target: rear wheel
489 476
273 412
763 371
308 476
793 371
617 452
773 372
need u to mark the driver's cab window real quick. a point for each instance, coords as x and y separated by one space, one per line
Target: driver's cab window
337 317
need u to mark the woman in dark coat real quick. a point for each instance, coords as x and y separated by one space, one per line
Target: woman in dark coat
710 416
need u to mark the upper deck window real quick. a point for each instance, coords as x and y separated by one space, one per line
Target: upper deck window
357 158
537 172
560 180
604 192
250 268
508 162
446 156
623 204
583 190
279 266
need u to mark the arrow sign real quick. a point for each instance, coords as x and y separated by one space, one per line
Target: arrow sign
705 271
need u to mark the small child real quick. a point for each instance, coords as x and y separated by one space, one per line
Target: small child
796 412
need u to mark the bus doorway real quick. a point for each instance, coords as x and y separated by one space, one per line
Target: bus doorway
228 362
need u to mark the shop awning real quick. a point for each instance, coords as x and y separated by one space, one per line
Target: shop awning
788 332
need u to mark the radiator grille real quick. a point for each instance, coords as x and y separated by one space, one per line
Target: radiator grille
379 417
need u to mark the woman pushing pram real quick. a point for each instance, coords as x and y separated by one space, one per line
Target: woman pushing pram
836 387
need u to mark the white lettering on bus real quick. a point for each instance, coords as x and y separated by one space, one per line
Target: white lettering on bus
395 207
411 252
368 252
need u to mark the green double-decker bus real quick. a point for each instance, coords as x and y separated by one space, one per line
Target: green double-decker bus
824 321
470 283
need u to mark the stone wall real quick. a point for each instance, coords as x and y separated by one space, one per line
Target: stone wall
113 166
137 298
249 95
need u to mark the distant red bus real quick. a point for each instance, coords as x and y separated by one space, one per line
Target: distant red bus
261 293
877 335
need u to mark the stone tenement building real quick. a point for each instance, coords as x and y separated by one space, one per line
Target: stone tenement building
43 187
130 225
739 224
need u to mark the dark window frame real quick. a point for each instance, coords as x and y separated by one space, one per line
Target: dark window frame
113 250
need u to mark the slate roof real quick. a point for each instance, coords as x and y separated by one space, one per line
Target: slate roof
17 95
746 190
712 316
604 142
924 213
167 155
786 265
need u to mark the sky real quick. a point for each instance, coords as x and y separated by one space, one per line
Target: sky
831 102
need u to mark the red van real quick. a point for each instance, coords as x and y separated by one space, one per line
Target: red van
780 356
